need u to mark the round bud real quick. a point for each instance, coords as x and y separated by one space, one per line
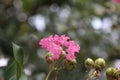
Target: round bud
48 55
89 64
99 64
110 73
63 55
70 64
48 58
117 74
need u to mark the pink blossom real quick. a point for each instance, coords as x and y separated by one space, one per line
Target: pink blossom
45 42
55 45
116 1
50 45
54 49
61 40
70 56
64 40
72 48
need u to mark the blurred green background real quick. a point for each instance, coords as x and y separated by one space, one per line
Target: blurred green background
93 24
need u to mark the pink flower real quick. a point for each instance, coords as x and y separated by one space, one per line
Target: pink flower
70 56
116 1
54 49
50 45
72 48
61 40
45 42
55 45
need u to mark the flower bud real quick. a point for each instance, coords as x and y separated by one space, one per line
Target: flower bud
63 55
89 64
117 74
48 58
99 64
110 73
70 64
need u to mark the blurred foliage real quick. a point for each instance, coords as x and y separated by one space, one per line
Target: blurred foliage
70 17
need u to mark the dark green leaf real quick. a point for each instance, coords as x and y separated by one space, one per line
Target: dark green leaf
14 71
9 73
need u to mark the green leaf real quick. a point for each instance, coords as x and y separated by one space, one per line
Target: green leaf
18 55
23 77
14 70
9 73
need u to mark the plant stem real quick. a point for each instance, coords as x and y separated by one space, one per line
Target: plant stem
56 73
48 75
91 75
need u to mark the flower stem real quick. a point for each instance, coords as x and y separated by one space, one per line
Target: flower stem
56 73
48 75
91 75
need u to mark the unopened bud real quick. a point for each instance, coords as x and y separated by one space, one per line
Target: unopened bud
70 64
117 74
99 64
63 55
110 73
74 61
89 64
48 55
48 58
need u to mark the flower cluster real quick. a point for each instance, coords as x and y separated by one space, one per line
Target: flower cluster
116 1
57 44
61 53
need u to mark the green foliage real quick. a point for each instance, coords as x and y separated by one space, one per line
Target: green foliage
14 71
